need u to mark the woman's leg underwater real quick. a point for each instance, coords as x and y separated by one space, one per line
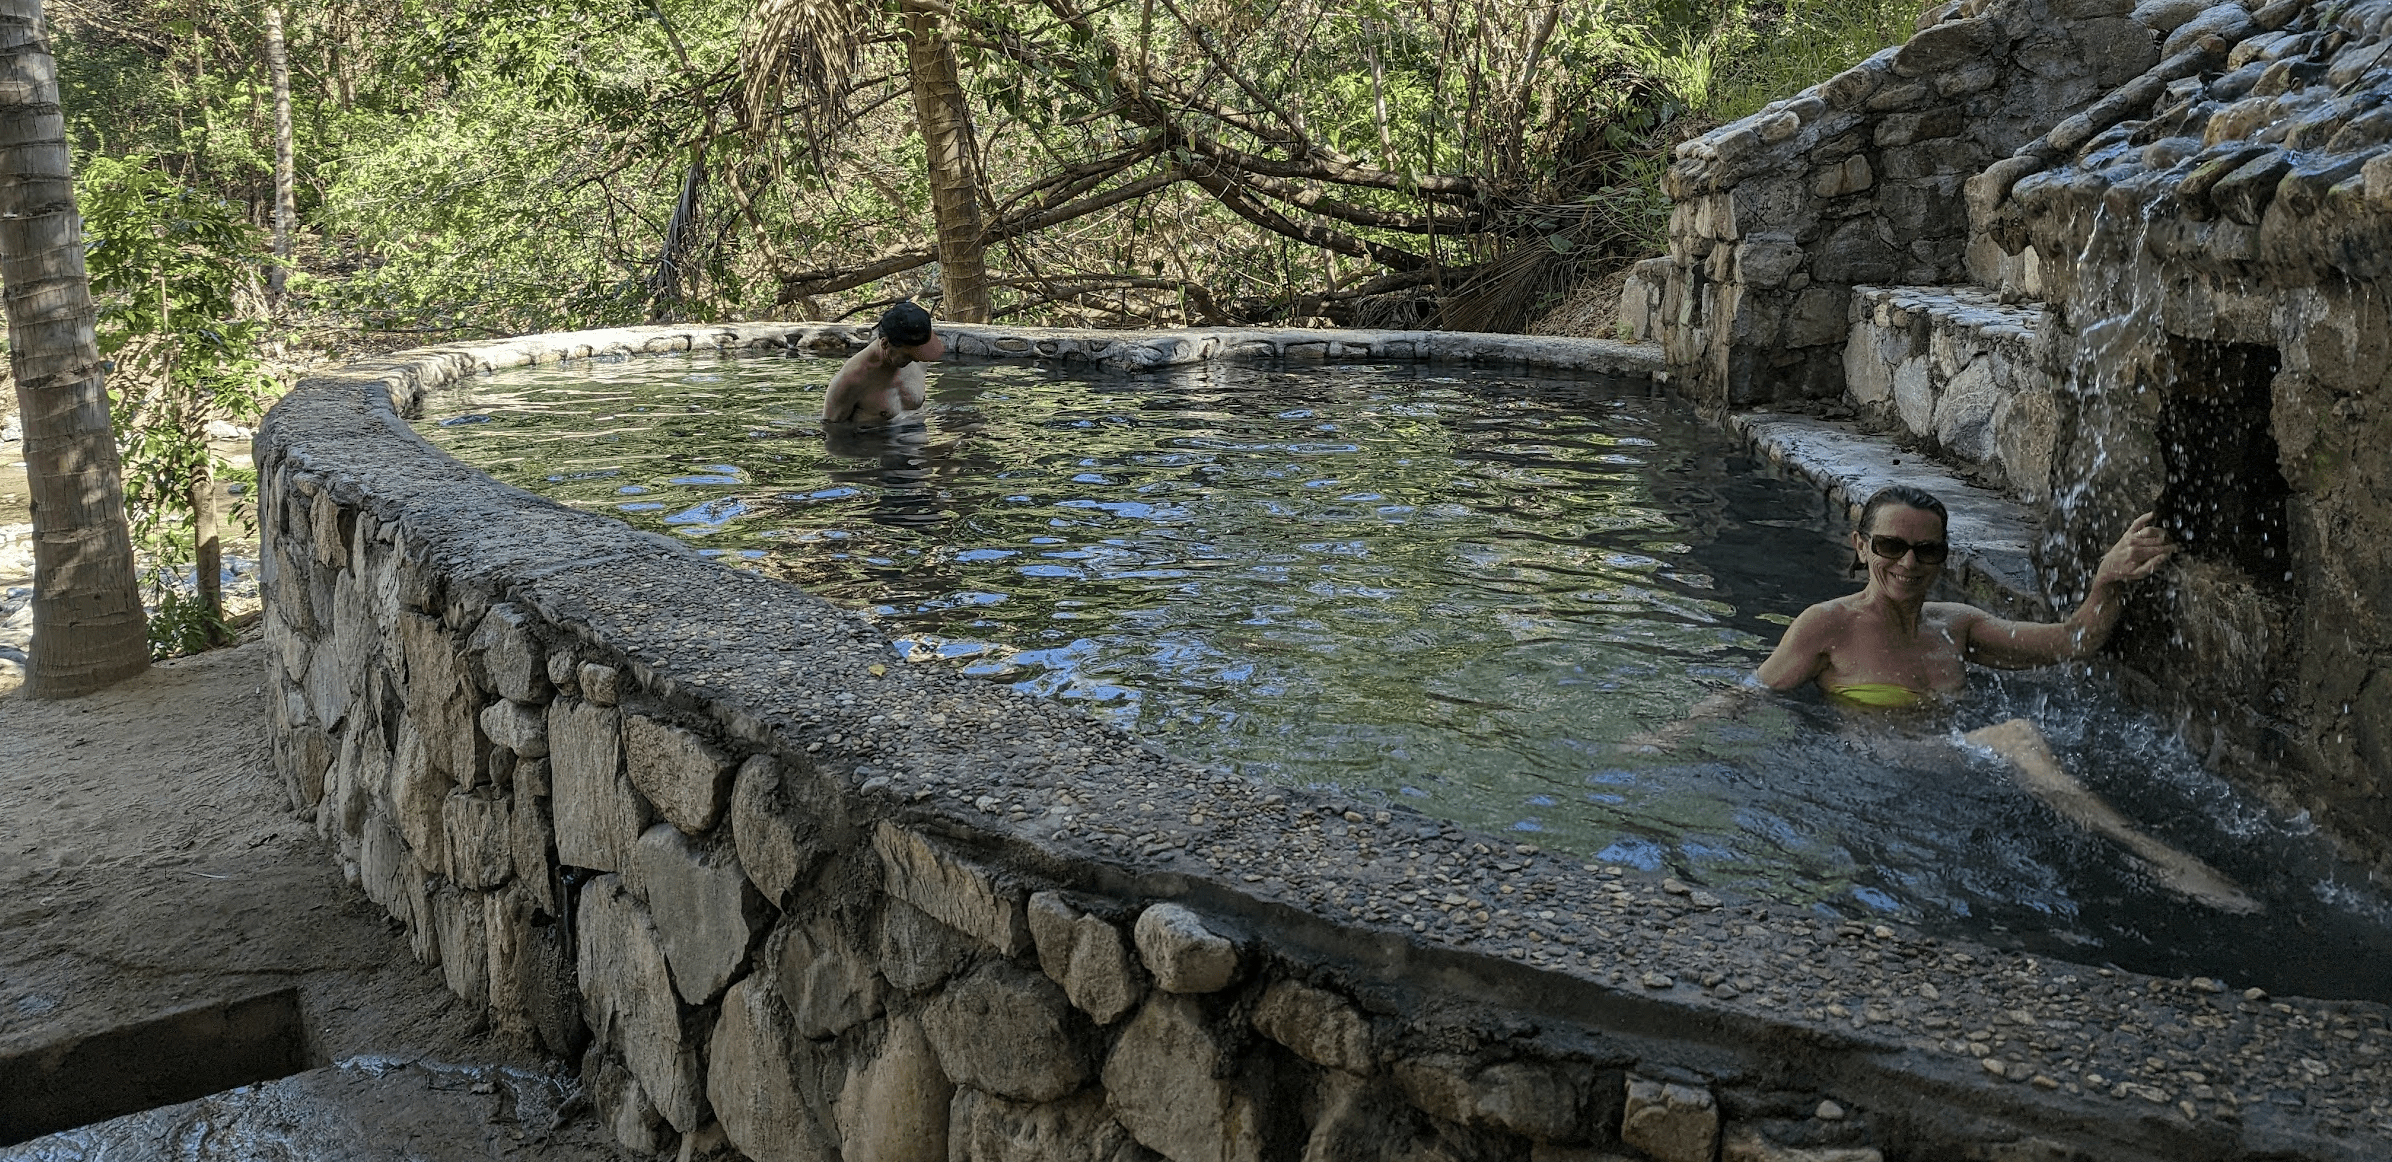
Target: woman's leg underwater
2040 772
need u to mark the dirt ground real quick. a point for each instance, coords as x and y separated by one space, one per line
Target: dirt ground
149 862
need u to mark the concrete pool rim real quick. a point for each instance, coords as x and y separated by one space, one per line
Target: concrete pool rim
376 507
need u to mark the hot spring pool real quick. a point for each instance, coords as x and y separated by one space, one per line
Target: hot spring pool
1462 589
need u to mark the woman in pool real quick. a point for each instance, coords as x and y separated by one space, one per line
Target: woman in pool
1887 645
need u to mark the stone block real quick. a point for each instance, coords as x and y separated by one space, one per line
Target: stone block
778 840
325 517
439 697
1849 176
1927 125
1317 1025
895 1106
478 828
304 753
828 985
1817 318
359 778
1087 956
1914 395
1766 261
1854 254
564 672
510 656
766 1087
419 792
1102 979
705 910
459 918
918 953
951 889
531 978
1053 921
1671 1122
381 855
528 849
984 1128
599 817
1924 208
1184 955
327 689
1868 379
1541 1101
685 776
1744 1144
2168 15
2026 430
1950 45
1173 1086
1847 89
2227 22
599 684
1964 411
629 1002
423 925
1007 1031
623 1105
519 728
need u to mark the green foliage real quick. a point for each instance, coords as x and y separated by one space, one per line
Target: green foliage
477 167
168 264
180 625
1801 44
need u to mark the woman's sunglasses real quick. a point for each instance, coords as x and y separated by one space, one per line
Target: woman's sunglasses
1895 548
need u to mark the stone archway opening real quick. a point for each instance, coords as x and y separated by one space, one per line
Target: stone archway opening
2225 494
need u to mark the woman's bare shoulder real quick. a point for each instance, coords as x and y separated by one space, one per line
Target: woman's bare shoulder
1827 617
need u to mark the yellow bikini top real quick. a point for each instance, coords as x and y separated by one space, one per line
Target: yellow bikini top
1877 694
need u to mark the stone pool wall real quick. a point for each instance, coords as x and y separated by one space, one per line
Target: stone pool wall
2225 236
784 894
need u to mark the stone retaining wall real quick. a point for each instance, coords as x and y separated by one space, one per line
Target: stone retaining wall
785 894
1859 181
1963 373
2214 252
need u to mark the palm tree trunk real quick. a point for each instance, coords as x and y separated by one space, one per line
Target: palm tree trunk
88 628
286 200
946 122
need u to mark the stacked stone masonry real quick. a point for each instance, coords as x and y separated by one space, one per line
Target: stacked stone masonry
1962 373
2192 199
1859 182
784 894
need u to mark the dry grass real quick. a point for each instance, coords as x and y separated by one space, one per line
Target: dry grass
1591 310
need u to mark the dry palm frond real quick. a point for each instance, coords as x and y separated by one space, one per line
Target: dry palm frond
814 42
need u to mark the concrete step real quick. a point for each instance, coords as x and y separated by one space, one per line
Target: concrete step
1991 536
1960 369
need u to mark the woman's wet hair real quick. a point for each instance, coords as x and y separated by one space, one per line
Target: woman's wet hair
905 325
1906 495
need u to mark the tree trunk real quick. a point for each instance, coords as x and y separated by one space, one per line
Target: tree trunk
88 628
286 200
946 123
207 565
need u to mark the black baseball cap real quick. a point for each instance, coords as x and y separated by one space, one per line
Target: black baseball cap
905 325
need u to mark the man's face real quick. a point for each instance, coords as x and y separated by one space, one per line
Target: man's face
928 351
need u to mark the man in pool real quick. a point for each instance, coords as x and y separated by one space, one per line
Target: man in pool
884 384
1887 645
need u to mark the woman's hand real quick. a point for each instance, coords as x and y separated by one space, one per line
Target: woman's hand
2139 553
